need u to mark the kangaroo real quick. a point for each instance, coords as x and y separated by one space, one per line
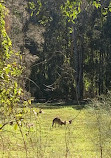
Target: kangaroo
58 121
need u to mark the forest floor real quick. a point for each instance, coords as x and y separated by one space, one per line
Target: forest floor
89 135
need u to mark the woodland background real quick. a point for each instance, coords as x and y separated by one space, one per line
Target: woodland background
66 52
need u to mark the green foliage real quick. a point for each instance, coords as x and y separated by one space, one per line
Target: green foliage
104 10
97 3
71 9
5 42
33 6
109 7
54 75
10 70
87 84
57 70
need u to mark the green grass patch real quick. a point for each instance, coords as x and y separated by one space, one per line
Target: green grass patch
88 134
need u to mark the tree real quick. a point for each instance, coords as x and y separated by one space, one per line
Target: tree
11 93
69 39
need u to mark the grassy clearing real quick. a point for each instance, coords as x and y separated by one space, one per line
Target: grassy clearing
84 138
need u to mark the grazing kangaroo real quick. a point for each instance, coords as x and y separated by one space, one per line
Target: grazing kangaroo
58 121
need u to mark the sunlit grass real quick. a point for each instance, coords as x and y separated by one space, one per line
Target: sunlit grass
77 140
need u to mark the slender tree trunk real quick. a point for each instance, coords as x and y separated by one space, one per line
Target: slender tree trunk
92 75
76 61
81 69
78 65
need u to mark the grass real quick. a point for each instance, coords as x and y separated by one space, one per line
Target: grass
82 139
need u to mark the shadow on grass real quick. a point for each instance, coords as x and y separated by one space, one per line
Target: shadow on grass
58 105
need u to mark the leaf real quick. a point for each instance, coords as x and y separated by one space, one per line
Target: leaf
105 11
1 125
15 91
15 84
109 7
25 103
97 5
15 127
31 13
29 101
19 115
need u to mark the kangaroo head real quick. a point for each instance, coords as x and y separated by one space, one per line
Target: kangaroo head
70 121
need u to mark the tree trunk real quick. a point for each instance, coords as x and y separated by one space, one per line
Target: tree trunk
76 59
81 69
78 65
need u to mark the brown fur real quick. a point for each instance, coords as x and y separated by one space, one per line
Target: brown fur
58 121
